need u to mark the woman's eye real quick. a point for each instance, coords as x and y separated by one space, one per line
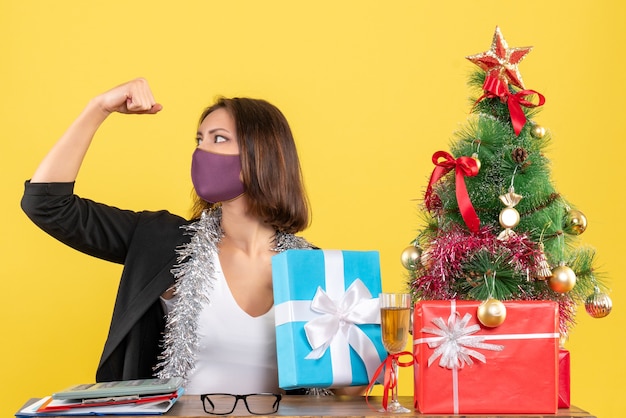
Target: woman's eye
198 141
220 138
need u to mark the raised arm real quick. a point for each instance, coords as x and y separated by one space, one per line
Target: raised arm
63 161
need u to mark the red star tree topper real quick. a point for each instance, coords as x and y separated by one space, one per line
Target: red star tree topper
501 61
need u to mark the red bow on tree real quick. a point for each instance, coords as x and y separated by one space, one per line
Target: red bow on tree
464 166
496 87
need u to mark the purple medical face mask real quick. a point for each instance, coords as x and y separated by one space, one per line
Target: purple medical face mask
216 176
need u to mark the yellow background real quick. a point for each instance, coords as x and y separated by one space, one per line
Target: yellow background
371 89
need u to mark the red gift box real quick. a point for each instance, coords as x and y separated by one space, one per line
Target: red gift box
463 367
564 379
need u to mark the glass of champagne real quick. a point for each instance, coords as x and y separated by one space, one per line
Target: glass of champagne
395 312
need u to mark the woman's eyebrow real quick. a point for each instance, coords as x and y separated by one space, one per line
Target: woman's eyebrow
212 131
218 129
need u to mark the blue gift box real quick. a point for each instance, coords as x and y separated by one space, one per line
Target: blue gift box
327 317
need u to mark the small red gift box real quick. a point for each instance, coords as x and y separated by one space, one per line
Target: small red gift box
463 367
564 379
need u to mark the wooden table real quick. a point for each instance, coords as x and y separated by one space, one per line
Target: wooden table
189 406
337 406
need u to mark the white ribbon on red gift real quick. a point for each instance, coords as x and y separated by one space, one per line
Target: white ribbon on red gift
454 339
332 318
454 342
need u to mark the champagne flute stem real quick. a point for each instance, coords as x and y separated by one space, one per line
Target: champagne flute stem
394 390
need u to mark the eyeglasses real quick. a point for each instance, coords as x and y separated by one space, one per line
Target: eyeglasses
225 403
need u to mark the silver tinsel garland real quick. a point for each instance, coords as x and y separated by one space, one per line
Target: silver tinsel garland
194 275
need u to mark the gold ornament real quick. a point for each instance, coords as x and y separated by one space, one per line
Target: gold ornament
511 198
537 131
598 304
542 269
410 257
509 216
475 157
491 313
563 279
575 222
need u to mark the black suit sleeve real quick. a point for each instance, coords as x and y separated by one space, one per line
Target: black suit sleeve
92 228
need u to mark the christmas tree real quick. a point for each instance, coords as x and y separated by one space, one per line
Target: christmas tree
495 226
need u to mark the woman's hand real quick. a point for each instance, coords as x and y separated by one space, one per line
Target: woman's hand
63 161
133 97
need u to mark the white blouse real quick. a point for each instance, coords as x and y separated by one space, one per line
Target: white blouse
236 352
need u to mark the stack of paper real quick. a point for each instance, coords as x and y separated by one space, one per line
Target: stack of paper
128 397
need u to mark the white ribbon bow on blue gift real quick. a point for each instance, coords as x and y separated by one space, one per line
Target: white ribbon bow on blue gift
340 317
332 321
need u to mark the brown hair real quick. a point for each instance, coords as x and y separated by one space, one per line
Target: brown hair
271 171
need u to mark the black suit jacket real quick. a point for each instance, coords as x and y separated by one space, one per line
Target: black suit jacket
144 242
